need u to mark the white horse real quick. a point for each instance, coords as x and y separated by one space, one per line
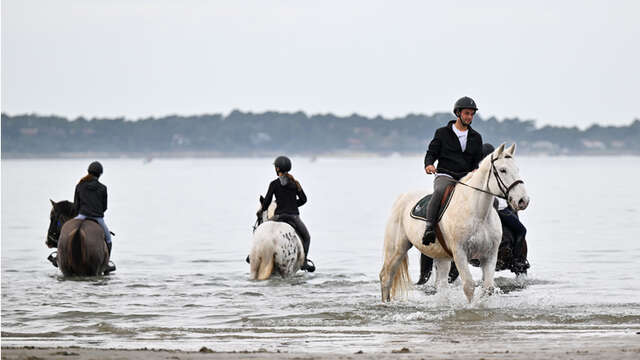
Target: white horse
276 247
470 227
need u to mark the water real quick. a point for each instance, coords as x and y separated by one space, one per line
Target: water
184 227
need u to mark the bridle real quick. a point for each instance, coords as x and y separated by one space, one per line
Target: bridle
503 187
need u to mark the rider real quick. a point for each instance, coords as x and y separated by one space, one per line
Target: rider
458 150
508 217
289 196
90 199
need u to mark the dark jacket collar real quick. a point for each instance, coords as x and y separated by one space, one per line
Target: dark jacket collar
450 126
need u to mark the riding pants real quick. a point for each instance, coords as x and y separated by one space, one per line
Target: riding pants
439 185
99 220
510 220
299 226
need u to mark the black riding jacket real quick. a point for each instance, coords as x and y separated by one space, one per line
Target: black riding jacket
90 198
445 147
288 197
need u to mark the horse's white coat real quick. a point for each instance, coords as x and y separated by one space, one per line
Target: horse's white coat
276 248
470 229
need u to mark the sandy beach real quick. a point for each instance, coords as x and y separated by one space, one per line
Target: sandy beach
625 346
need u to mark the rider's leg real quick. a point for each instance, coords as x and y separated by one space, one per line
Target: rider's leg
426 266
107 233
510 220
439 185
301 228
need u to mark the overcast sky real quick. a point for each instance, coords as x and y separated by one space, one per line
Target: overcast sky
557 62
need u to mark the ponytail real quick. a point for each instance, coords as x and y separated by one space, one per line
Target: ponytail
86 178
294 181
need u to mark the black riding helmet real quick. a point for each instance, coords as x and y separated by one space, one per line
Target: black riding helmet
95 169
487 149
283 163
464 102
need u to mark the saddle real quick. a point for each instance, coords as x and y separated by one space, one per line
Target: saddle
419 212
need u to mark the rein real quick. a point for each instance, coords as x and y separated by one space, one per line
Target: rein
504 188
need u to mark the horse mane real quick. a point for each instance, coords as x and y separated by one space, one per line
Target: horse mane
66 208
481 167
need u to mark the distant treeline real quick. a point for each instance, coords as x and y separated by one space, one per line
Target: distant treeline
249 134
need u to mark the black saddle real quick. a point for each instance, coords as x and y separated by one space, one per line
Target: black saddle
419 210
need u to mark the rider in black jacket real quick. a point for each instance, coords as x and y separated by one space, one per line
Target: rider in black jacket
90 199
458 150
289 196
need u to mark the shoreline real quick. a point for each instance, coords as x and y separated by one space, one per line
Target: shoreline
607 347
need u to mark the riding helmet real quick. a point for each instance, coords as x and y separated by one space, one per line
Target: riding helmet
487 149
95 169
464 102
283 163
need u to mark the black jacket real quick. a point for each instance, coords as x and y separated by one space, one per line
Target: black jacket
90 198
288 197
445 147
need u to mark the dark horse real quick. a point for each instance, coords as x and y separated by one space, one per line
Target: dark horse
82 250
512 255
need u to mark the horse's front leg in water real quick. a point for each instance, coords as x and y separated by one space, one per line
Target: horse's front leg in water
460 257
488 271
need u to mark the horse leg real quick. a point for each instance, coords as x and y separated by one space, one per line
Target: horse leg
462 263
488 266
389 269
442 272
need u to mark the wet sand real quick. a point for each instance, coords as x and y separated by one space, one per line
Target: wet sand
626 346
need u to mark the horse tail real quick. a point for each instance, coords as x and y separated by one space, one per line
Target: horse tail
265 267
401 281
262 258
76 243
394 234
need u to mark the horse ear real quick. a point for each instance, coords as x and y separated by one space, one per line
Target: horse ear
52 202
261 199
499 150
511 150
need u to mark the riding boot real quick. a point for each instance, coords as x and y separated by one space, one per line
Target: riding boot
111 267
53 259
453 273
247 260
308 266
429 234
426 266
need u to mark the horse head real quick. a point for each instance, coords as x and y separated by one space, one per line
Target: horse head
504 177
265 214
60 213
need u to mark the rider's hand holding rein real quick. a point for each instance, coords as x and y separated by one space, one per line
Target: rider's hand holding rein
430 169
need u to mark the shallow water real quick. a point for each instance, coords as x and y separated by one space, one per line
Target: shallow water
184 227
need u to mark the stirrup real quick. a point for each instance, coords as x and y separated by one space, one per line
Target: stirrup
53 258
111 267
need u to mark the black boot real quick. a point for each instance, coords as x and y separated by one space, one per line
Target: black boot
426 264
247 260
308 266
111 267
429 234
53 257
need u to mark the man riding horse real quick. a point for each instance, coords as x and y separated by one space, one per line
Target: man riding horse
458 150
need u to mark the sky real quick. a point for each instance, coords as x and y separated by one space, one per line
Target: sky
562 63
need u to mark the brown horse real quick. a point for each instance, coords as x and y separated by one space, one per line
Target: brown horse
82 250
